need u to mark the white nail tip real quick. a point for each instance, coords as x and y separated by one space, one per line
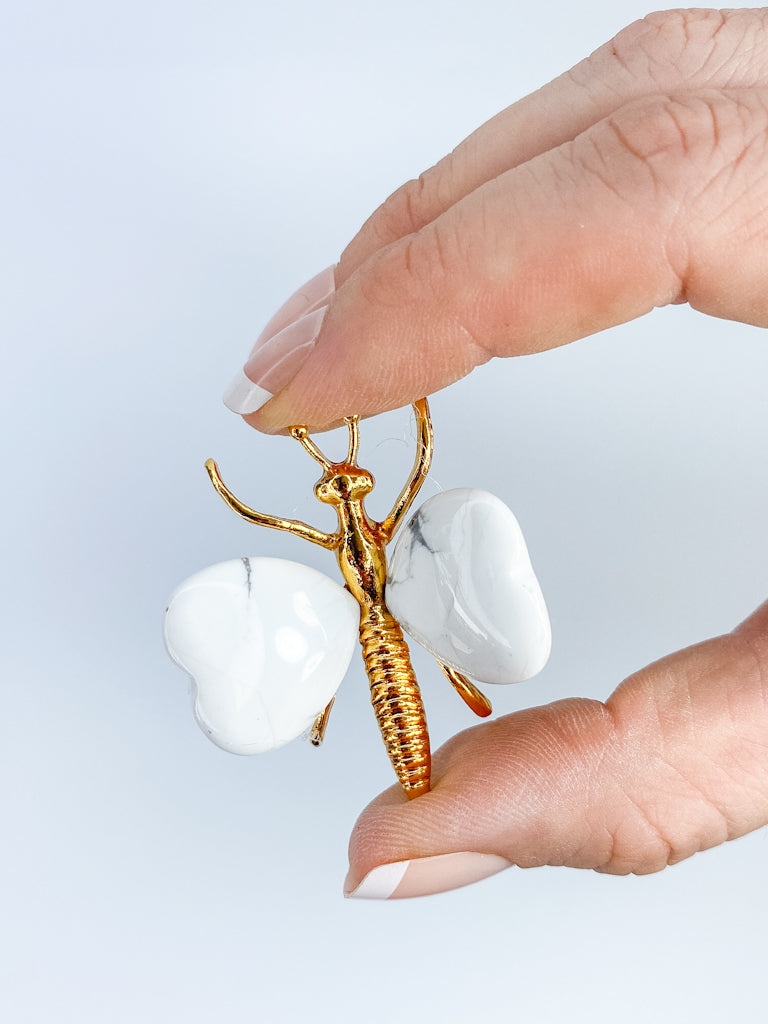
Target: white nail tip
243 396
380 883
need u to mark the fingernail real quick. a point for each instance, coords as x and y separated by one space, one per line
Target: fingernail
273 364
283 346
425 876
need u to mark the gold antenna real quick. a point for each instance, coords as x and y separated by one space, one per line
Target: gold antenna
302 436
354 439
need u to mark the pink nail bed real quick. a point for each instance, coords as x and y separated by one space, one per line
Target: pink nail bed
317 290
426 876
273 364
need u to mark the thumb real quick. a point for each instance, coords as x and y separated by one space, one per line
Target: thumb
674 762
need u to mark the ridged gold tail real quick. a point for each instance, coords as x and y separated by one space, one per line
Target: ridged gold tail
396 699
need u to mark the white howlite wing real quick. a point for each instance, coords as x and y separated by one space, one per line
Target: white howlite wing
266 643
461 583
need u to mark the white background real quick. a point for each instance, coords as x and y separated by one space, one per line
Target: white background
171 172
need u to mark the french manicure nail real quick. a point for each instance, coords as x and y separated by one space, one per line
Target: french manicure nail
274 363
269 357
425 876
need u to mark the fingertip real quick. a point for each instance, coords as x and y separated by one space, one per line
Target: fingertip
392 332
424 876
401 849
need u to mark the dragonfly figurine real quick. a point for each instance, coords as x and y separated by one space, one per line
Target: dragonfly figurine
267 641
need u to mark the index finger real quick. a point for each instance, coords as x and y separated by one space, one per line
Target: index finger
666 52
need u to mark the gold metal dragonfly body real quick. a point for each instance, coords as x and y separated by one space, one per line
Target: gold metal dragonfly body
360 546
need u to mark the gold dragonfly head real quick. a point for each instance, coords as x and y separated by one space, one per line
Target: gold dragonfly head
341 482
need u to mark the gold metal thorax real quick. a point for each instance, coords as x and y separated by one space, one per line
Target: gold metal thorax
360 546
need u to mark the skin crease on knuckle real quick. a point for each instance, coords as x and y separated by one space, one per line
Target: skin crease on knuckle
698 171
699 718
687 47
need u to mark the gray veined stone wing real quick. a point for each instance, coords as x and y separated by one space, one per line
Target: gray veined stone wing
460 582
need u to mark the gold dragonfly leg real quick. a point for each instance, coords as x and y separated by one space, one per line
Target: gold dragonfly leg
469 693
422 462
317 735
298 529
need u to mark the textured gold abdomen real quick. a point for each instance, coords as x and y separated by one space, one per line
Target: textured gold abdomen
396 698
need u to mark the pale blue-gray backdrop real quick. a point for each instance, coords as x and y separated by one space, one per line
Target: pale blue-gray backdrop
170 172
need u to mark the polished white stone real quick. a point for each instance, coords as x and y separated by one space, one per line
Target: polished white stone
266 643
461 583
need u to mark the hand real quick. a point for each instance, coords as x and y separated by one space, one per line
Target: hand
635 180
